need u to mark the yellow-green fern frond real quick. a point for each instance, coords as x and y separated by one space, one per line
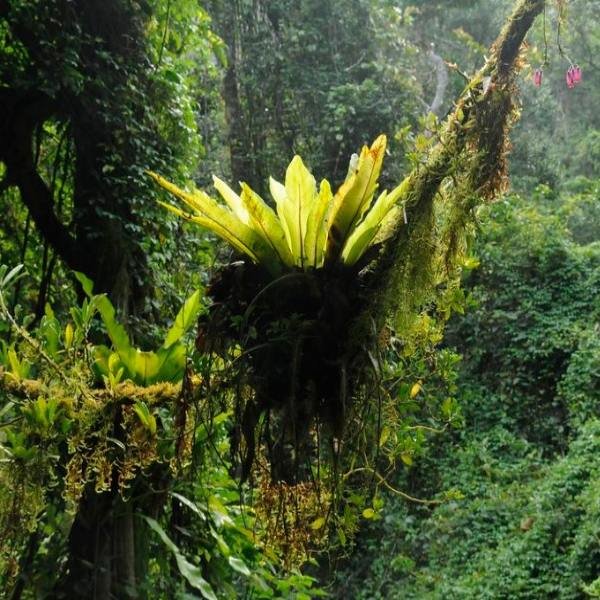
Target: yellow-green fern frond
307 229
207 213
265 221
365 233
317 226
354 197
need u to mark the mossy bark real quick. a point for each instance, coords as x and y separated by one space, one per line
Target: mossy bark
471 153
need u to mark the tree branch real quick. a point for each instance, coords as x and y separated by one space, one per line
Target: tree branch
441 73
22 113
472 148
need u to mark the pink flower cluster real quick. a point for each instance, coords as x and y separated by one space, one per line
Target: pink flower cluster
573 76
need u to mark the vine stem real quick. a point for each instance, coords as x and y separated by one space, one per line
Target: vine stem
392 489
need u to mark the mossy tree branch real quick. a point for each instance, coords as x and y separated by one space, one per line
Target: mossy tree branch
472 152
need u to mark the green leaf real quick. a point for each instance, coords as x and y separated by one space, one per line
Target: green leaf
366 232
19 369
49 330
185 318
116 332
191 505
68 336
220 220
354 197
233 200
11 276
368 513
101 364
171 363
146 417
219 512
294 210
239 565
191 572
144 368
86 283
265 221
316 229
385 435
406 458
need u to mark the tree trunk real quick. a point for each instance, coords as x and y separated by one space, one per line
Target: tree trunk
99 242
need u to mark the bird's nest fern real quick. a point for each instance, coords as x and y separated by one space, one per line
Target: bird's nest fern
311 227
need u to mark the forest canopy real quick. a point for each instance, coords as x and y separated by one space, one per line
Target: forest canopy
299 299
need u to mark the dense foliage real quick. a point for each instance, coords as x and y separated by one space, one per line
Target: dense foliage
525 465
362 393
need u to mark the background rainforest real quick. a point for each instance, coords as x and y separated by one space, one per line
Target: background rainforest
421 423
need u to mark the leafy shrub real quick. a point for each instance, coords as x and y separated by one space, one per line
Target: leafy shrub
528 524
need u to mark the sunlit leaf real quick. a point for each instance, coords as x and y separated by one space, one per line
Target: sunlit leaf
415 389
239 565
368 513
354 197
265 221
300 189
185 319
366 232
317 226
406 458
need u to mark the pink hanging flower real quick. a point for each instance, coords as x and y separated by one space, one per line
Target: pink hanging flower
573 76
537 77
569 78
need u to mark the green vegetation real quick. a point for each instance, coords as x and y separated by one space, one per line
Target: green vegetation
385 385
526 524
312 229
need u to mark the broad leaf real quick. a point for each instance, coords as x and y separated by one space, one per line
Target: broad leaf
354 197
185 319
316 231
265 222
233 200
308 229
116 332
220 220
239 565
144 368
367 230
172 363
300 189
86 283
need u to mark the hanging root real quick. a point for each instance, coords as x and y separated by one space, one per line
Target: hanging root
307 338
